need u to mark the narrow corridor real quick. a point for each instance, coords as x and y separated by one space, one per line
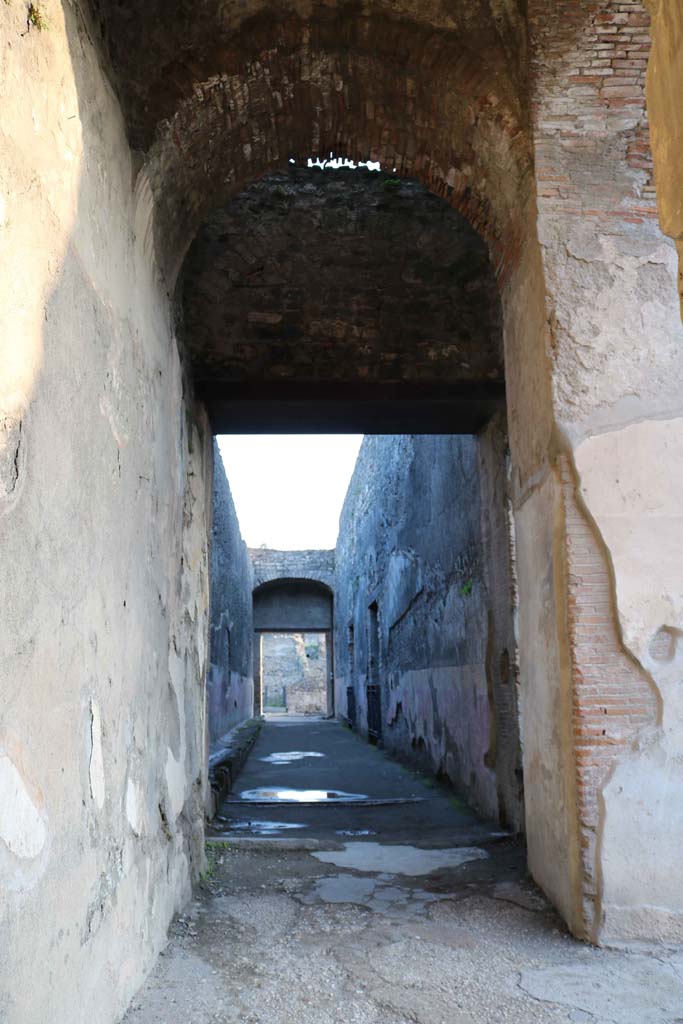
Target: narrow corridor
368 894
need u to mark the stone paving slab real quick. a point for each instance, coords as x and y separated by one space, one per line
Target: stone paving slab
375 930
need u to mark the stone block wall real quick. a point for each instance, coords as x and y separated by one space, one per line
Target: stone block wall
423 559
270 564
230 683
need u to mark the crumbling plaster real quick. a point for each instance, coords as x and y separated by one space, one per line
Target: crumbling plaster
629 482
615 351
104 511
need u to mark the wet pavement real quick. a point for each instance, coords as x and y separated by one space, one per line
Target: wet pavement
426 916
329 782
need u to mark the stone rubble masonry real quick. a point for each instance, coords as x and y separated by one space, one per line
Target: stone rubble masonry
386 255
292 81
304 601
105 461
227 760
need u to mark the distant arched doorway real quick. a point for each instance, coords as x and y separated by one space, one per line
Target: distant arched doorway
294 607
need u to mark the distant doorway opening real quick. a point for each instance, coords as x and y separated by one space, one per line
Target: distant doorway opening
295 673
293 648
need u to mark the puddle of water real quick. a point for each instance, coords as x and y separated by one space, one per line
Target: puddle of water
300 796
288 756
345 889
260 828
399 860
369 892
355 832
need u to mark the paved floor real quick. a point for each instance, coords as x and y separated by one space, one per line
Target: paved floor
430 919
395 803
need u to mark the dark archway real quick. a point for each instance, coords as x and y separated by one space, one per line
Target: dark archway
292 606
343 297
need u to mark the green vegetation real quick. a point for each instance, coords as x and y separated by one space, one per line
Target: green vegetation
35 18
213 854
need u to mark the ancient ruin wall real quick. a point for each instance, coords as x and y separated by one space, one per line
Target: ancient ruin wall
271 564
386 255
104 507
230 683
610 275
416 539
295 671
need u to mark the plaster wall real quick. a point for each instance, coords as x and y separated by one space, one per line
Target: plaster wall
412 541
664 88
617 372
104 515
230 682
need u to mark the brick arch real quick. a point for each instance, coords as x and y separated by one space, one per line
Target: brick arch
420 101
271 565
405 293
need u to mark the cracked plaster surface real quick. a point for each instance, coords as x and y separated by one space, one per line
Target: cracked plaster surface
629 483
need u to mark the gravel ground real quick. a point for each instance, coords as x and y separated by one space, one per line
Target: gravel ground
278 936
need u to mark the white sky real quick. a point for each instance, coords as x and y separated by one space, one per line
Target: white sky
289 489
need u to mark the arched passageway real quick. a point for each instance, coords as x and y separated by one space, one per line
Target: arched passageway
301 608
401 330
132 138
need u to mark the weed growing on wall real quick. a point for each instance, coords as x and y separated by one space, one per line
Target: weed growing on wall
35 17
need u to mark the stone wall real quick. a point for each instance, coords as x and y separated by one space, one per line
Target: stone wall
295 672
105 462
230 683
385 252
270 564
616 341
293 592
425 538
104 513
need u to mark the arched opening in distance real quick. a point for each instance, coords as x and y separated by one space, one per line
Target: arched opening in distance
298 611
